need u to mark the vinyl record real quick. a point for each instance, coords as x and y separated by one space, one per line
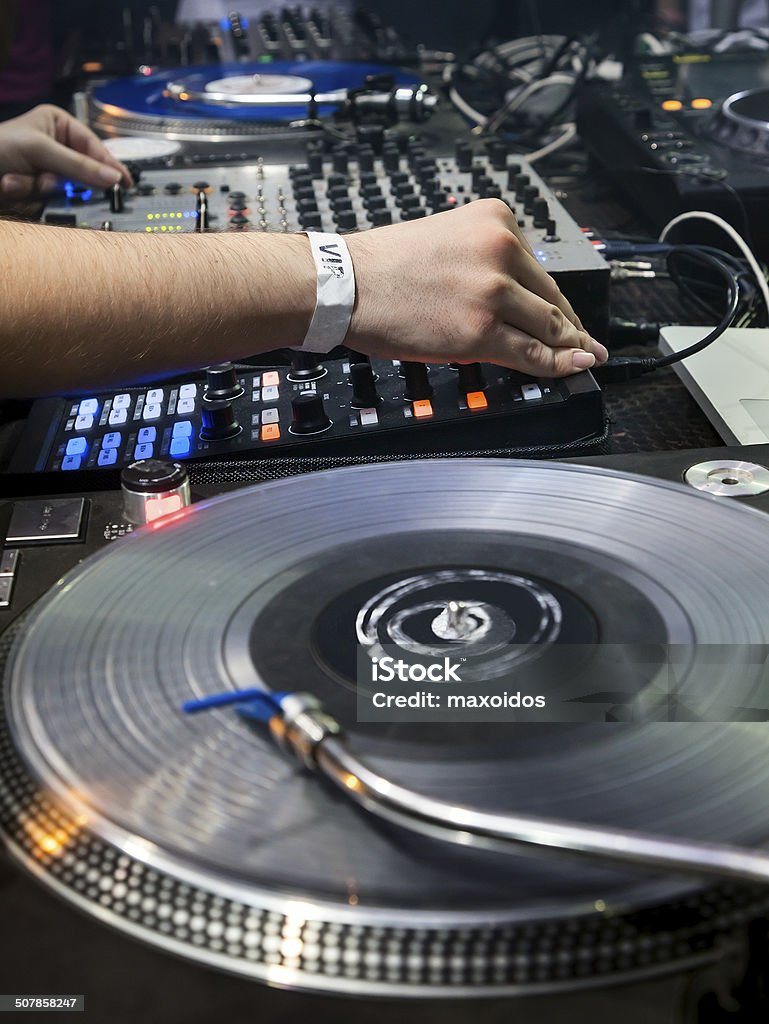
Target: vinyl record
196 834
152 103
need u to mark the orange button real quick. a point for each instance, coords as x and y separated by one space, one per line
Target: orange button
476 400
270 379
271 432
702 103
672 105
422 408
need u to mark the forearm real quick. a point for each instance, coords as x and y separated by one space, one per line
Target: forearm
82 309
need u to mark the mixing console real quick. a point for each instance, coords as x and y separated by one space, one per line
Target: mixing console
352 187
310 408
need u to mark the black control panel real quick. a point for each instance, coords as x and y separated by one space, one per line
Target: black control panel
672 140
313 407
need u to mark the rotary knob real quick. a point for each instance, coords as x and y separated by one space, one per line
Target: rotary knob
308 416
305 366
364 393
222 383
219 422
470 378
417 385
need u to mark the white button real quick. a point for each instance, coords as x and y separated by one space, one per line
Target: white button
154 396
84 421
121 401
530 391
185 405
368 416
152 411
270 416
270 394
188 391
118 416
88 407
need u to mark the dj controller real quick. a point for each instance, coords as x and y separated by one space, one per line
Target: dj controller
253 528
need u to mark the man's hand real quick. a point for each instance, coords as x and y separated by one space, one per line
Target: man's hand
47 143
464 286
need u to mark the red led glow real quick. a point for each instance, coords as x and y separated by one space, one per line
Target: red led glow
159 508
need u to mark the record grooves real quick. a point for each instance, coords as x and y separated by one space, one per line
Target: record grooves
198 836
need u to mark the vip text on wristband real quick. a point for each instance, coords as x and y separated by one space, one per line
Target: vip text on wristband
335 295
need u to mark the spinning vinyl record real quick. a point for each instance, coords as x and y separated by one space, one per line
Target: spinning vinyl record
230 100
197 835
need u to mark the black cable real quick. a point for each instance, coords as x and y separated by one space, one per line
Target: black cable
625 368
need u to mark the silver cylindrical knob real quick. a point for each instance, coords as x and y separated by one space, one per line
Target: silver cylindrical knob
153 488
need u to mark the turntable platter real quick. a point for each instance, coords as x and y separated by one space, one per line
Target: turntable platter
194 831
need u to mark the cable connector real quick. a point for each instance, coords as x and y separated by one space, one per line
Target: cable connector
623 368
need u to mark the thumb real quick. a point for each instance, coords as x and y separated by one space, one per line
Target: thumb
50 155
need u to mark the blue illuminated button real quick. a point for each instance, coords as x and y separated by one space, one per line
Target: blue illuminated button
77 446
111 440
107 457
147 435
88 407
71 462
144 451
180 446
182 429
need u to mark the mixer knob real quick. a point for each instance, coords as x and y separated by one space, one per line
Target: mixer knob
530 193
116 198
470 378
308 415
359 357
380 218
346 220
521 181
498 153
219 422
222 383
366 159
315 163
305 366
417 385
391 158
541 213
310 220
364 393
464 157
341 160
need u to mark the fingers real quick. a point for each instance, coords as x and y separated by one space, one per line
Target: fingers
521 263
546 321
81 139
45 152
527 354
17 186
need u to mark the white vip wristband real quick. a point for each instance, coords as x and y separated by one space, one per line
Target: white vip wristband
335 293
